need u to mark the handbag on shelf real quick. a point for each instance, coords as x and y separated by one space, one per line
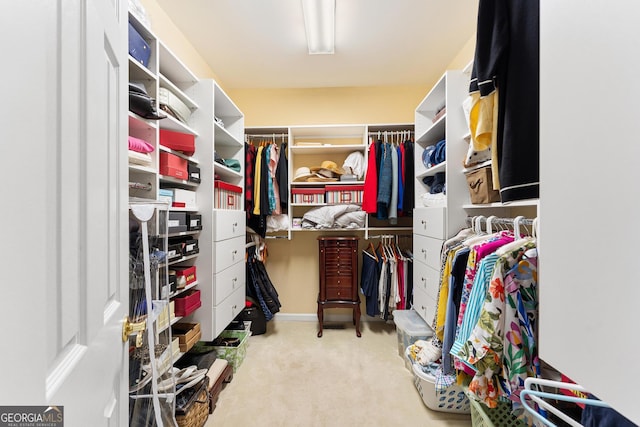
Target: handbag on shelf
142 104
480 185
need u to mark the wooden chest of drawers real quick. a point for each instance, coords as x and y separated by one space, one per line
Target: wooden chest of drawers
338 265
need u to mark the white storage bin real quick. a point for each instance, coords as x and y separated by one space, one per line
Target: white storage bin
410 327
452 399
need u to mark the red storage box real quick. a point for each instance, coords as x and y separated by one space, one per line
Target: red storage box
188 272
308 195
187 303
226 196
337 194
183 142
172 165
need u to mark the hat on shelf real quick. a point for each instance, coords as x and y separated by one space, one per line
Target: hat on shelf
328 169
354 164
318 177
302 174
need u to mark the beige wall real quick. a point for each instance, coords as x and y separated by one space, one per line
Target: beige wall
293 265
164 28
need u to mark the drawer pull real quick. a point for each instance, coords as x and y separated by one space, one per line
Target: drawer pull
235 282
424 251
423 279
423 222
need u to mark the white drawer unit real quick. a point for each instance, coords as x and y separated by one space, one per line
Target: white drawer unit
227 281
228 309
427 250
430 222
427 279
424 305
227 253
228 224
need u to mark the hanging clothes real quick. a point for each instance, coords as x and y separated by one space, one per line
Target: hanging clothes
282 178
393 201
259 285
384 182
370 192
250 153
408 201
496 337
507 60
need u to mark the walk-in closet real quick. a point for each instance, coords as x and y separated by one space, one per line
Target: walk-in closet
320 213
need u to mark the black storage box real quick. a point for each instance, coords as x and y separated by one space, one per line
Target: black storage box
194 172
177 222
174 251
173 284
257 318
194 222
190 247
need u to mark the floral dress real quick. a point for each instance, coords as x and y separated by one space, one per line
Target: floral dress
503 356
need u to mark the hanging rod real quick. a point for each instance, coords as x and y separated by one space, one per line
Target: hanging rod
267 135
276 237
504 221
396 132
390 236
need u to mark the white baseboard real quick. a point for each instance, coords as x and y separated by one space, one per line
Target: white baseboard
329 317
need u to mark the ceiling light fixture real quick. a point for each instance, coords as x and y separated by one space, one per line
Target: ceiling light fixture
320 23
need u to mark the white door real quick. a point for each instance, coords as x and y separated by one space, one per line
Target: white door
589 174
64 208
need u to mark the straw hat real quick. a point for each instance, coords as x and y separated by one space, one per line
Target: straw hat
329 166
302 173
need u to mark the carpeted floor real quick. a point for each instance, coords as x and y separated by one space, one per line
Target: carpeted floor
292 378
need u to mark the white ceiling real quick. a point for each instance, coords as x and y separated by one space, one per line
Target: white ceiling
261 43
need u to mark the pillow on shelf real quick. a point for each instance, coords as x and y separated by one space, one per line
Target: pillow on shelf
139 145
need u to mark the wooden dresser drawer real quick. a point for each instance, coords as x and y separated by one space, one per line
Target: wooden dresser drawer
430 222
427 250
228 224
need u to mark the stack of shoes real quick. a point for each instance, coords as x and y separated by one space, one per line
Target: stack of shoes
219 373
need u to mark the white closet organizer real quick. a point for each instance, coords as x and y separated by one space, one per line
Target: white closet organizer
309 146
432 225
223 234
221 286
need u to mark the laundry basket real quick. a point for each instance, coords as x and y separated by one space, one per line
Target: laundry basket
500 416
452 399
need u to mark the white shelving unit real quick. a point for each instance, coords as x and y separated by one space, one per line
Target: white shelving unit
309 146
433 225
206 101
223 231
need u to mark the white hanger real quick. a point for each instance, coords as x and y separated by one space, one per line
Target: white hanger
489 224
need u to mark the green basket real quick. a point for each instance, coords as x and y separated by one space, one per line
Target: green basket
234 355
500 416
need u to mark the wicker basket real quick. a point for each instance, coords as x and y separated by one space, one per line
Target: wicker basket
196 411
501 416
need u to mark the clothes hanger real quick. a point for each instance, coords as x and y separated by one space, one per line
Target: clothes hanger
519 239
538 397
373 251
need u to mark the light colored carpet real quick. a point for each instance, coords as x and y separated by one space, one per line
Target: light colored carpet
292 378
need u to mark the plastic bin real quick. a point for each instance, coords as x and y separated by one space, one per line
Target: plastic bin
410 327
234 354
452 399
